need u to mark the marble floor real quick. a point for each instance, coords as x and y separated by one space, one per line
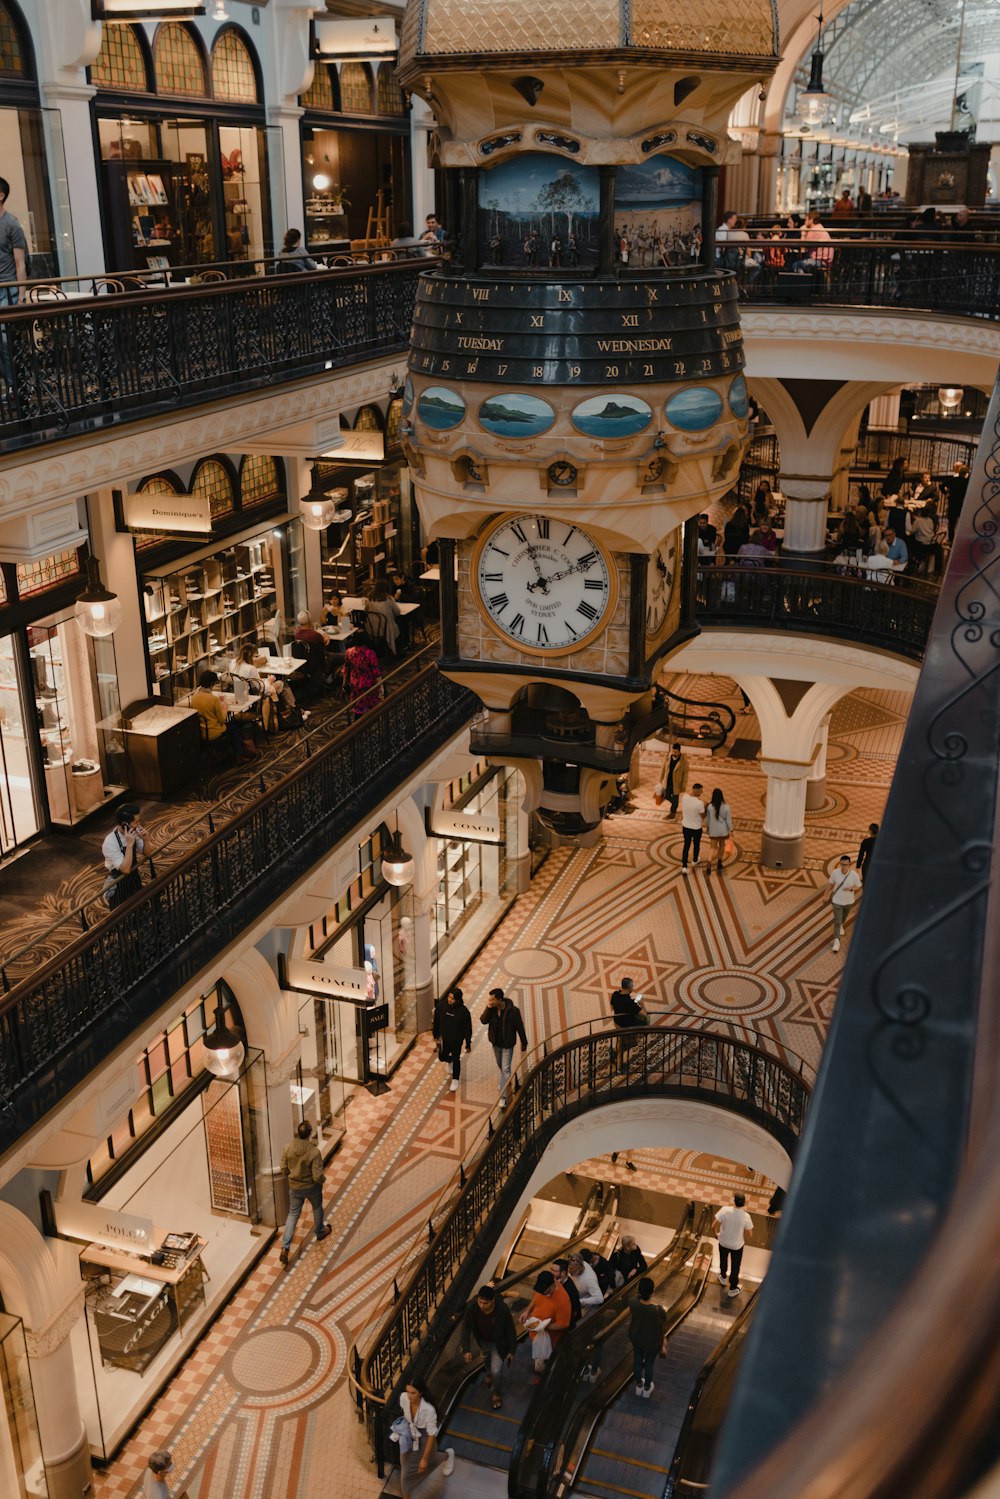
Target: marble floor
262 1408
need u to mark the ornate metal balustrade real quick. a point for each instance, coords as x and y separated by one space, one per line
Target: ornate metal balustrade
84 361
57 1026
895 615
713 1066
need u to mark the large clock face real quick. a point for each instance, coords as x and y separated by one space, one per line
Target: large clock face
660 576
543 583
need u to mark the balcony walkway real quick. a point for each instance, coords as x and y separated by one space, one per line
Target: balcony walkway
753 947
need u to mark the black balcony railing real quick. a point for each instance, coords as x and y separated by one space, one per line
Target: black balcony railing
94 356
569 1076
895 615
61 1023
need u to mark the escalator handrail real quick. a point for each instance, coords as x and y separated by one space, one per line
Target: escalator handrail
589 1414
713 1365
576 1347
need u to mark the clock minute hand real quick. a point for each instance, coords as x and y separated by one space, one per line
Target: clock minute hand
567 571
543 582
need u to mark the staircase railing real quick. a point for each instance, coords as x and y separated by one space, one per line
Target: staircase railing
567 1079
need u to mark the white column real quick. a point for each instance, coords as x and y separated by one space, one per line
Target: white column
118 569
806 501
769 151
422 122
290 213
299 484
422 971
816 782
783 839
883 413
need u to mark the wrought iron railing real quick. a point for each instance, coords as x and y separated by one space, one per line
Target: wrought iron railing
895 615
58 1025
567 1080
883 1295
107 349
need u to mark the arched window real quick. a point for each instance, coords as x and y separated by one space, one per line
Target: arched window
393 418
260 479
234 78
121 62
319 94
154 484
356 88
14 53
390 95
368 420
177 61
212 478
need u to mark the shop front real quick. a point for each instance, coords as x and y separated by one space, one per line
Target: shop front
376 528
31 153
22 1473
354 971
178 1206
56 686
356 173
188 167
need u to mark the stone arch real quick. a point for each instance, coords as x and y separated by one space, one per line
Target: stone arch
269 1016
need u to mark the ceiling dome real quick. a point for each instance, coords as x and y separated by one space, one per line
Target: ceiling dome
440 31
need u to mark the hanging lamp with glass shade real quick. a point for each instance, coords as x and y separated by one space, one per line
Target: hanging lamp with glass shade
98 610
224 1048
950 397
397 864
814 102
317 513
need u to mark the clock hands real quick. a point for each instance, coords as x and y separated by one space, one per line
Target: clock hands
583 566
543 582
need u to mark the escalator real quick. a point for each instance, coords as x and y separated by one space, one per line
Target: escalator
588 1369
707 1407
460 1395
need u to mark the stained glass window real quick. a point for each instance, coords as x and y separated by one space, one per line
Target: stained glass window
356 88
121 62
260 480
46 572
368 420
155 484
233 76
392 421
11 56
212 478
319 94
177 61
390 95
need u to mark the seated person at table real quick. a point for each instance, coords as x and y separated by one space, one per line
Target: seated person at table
405 591
753 553
879 562
278 697
306 632
333 610
768 537
897 553
708 541
215 722
381 603
848 535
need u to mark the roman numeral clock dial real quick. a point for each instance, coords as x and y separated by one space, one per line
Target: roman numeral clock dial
543 583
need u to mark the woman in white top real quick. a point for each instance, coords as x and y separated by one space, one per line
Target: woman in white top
422 1420
719 827
247 665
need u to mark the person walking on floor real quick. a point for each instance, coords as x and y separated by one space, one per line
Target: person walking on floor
866 850
719 827
302 1164
154 1480
844 881
692 819
734 1225
488 1322
452 1030
504 1026
418 1447
647 1331
673 778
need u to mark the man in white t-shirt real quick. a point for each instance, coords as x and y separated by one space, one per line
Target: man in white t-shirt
734 1224
692 818
844 881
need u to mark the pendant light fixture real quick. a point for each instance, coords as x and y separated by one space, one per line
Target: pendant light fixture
397 864
317 513
224 1048
220 13
814 102
98 611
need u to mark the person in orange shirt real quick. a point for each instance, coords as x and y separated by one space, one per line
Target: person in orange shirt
551 1304
844 205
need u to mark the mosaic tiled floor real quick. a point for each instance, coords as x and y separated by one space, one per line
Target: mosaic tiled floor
262 1410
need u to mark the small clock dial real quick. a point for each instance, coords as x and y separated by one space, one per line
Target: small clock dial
562 473
660 576
543 583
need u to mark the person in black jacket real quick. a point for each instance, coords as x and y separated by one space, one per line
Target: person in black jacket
628 1261
646 1332
560 1269
866 850
505 1026
488 1322
452 1027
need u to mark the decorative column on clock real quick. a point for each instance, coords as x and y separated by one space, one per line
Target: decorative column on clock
576 389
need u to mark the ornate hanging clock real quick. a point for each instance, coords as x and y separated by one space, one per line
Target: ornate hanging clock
543 583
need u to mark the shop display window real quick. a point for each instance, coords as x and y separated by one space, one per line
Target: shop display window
476 879
199 615
19 812
22 1473
244 191
75 682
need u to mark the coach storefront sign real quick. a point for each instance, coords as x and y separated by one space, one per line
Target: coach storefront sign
179 515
